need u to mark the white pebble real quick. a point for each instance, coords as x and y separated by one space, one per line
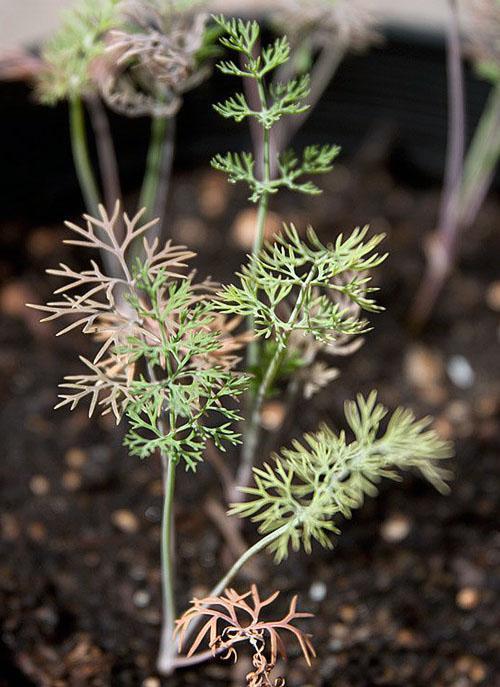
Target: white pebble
460 372
317 591
141 599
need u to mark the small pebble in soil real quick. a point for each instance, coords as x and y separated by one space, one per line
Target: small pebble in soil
71 480
272 416
396 528
39 485
493 296
468 598
125 521
317 591
406 638
423 367
348 613
153 514
141 598
37 531
151 682
138 573
460 372
471 666
75 458
9 527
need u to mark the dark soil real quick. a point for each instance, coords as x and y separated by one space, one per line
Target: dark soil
409 595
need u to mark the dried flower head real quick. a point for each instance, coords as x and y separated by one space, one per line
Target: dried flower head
155 58
234 618
326 21
68 57
483 36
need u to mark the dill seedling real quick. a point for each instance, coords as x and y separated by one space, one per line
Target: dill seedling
167 357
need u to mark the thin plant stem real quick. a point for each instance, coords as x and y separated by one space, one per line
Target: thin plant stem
155 187
252 95
105 151
252 437
167 644
167 649
84 169
253 347
81 157
455 154
156 182
442 248
238 565
481 161
245 557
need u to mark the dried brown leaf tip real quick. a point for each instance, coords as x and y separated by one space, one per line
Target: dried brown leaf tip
234 618
116 308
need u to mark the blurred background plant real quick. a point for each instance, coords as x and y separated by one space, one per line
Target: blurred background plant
138 58
469 170
321 33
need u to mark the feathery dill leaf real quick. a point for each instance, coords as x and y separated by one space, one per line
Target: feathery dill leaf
276 100
309 485
302 278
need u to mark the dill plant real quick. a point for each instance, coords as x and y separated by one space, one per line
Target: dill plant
168 363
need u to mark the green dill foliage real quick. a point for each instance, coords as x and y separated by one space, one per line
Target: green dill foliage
315 160
304 279
309 485
168 411
70 52
166 358
276 101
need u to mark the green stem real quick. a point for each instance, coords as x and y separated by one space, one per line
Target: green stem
84 170
159 127
238 565
167 644
482 158
106 153
253 347
252 437
81 156
245 557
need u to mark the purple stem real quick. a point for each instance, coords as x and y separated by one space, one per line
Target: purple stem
441 249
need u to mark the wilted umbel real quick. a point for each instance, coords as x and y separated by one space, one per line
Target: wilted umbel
326 21
483 36
155 58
